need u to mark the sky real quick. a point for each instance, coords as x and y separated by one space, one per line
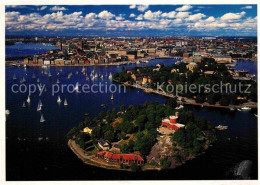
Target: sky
132 20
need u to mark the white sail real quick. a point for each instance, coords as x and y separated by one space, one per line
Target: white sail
58 81
40 103
39 107
112 96
42 119
59 100
76 87
28 99
24 105
110 76
65 102
14 77
38 80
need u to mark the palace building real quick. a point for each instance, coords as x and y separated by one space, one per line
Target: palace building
120 158
171 122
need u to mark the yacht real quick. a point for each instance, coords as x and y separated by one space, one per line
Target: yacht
65 102
28 99
110 76
59 100
7 112
22 80
42 119
76 88
245 108
14 77
40 103
138 62
180 107
232 109
221 127
39 108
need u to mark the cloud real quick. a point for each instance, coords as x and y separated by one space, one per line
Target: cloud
247 7
91 16
106 15
232 16
169 15
132 15
120 17
142 8
184 8
42 8
210 19
132 6
58 8
149 15
196 17
182 14
139 17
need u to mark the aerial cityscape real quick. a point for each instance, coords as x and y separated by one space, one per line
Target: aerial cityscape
131 92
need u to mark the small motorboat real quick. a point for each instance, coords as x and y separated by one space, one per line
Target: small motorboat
221 127
245 108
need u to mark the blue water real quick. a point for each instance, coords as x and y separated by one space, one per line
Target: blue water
25 49
36 151
249 65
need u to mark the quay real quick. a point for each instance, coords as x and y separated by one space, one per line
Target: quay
188 101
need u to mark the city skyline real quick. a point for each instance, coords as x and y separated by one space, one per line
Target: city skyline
132 20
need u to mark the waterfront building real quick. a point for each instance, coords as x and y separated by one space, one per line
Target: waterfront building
223 59
87 130
120 158
103 144
171 122
191 66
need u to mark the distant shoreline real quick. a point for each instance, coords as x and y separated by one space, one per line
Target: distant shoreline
17 63
191 101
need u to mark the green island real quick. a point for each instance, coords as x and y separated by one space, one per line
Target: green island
203 75
151 136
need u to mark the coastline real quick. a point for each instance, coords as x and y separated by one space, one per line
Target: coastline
191 101
17 63
89 160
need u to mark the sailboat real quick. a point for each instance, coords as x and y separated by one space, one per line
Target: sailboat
49 74
33 76
58 74
24 105
58 81
76 87
65 102
39 107
22 80
77 72
38 80
112 97
59 100
28 99
110 76
14 77
42 119
40 103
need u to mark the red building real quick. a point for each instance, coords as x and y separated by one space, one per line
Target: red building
120 158
172 122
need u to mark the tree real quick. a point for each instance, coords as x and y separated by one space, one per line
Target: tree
224 101
134 167
72 133
109 135
165 163
96 132
124 148
127 127
122 108
121 135
131 145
